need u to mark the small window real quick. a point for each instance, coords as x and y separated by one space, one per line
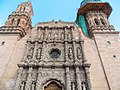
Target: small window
3 43
108 42
24 9
103 21
18 21
114 56
96 21
12 21
55 53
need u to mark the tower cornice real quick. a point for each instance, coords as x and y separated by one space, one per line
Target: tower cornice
13 30
103 6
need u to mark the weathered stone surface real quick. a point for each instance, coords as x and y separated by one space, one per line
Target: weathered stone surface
27 58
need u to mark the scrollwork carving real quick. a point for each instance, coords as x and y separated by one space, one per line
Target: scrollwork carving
70 53
30 53
22 86
79 56
38 53
49 36
69 36
62 36
55 36
83 86
33 86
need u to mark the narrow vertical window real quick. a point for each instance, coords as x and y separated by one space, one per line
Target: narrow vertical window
102 21
18 21
24 9
96 21
12 21
22 86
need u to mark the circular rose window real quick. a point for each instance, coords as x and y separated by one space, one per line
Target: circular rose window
55 53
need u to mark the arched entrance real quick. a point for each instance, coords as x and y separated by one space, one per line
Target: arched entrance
53 86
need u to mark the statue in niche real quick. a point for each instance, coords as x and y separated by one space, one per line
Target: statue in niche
24 75
70 55
72 85
83 86
79 56
62 36
33 85
49 36
68 36
41 36
55 36
38 54
22 86
30 53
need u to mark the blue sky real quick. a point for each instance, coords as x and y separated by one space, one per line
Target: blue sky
46 10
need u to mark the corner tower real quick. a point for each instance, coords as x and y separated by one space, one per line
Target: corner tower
16 27
20 19
93 16
102 48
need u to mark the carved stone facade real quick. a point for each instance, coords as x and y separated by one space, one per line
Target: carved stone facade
58 55
38 67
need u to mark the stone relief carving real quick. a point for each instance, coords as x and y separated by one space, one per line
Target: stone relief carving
38 53
69 36
55 36
83 86
22 86
79 56
30 53
62 36
70 53
33 75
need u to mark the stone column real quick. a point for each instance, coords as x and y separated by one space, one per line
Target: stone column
18 80
87 66
29 79
68 82
34 54
26 52
38 83
78 78
83 52
67 71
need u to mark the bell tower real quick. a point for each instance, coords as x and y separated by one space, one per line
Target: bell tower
20 19
93 17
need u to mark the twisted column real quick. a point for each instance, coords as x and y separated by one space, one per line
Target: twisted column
78 78
29 79
38 84
87 66
18 80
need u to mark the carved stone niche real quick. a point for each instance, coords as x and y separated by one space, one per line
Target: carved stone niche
30 53
62 36
70 53
79 54
38 53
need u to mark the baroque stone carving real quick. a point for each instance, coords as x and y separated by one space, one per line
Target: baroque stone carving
79 56
38 53
30 53
42 67
70 55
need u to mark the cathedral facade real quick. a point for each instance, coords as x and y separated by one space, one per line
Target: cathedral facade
80 55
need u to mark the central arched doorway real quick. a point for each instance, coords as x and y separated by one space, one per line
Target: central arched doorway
53 86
